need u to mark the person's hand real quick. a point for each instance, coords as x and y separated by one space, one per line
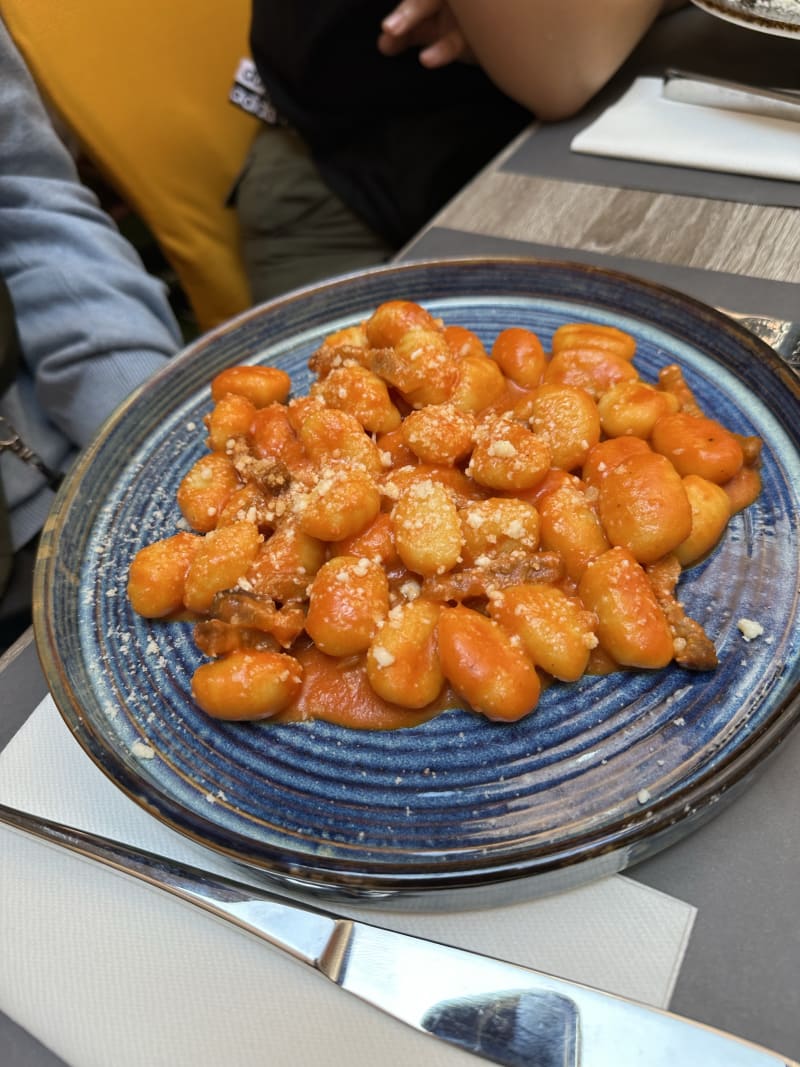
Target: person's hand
428 25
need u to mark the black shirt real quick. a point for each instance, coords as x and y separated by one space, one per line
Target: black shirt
395 141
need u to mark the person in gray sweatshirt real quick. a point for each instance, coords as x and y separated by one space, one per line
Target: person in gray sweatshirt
90 322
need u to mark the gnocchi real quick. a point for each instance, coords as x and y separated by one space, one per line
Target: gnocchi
444 519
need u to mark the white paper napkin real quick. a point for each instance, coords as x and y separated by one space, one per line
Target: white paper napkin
107 971
645 126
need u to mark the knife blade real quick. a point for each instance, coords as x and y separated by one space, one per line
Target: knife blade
690 88
503 1012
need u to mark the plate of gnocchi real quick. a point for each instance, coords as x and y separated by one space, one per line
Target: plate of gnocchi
468 578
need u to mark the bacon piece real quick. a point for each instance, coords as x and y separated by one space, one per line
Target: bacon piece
260 613
694 649
216 638
751 448
671 380
327 357
498 573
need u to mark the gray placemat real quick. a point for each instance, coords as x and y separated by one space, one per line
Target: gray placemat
748 296
749 853
695 41
18 1048
547 155
22 687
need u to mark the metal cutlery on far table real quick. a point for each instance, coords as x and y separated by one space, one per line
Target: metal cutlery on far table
782 336
686 87
502 1012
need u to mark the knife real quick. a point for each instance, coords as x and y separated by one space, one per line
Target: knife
502 1012
689 88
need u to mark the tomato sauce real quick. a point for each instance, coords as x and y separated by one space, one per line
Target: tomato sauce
337 691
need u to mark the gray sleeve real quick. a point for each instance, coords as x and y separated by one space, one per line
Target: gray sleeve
93 324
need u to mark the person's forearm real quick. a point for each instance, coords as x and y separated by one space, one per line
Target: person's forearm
552 56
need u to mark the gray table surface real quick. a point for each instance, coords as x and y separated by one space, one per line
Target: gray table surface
741 870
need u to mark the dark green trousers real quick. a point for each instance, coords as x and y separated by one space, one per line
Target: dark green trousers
295 231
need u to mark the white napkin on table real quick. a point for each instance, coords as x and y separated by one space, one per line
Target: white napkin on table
104 970
644 125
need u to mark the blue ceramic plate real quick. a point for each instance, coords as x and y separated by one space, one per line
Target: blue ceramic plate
604 773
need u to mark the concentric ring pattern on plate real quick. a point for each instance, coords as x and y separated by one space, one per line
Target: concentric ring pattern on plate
607 764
